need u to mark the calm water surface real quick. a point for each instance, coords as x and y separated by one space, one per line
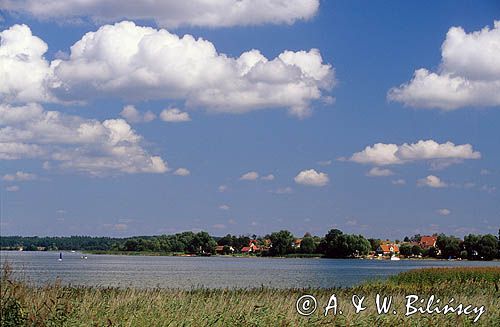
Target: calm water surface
212 272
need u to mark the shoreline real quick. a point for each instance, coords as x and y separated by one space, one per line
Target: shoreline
292 256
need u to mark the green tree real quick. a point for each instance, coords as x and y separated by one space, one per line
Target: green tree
416 250
431 252
130 245
488 247
241 241
226 240
31 247
281 243
374 243
471 245
203 243
339 245
498 244
226 249
358 245
405 249
416 238
307 245
449 246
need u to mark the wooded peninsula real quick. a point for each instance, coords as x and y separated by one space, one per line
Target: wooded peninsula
335 244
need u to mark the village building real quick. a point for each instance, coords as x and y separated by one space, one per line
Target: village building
219 249
296 243
251 248
387 249
427 242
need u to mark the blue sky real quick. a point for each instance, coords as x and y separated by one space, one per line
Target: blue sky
371 47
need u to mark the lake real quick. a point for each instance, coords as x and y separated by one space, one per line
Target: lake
212 272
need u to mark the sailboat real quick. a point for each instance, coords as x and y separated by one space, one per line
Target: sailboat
60 256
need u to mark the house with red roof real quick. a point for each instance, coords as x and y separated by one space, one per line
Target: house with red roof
427 242
387 249
246 249
296 243
251 248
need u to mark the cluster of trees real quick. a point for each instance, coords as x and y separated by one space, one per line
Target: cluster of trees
236 242
339 245
472 247
480 247
186 242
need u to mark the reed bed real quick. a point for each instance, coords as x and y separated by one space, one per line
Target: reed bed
58 305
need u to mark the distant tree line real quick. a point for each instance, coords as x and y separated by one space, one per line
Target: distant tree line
335 244
58 243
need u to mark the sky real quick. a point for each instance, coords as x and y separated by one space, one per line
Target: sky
378 118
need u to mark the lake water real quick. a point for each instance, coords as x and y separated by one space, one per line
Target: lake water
212 272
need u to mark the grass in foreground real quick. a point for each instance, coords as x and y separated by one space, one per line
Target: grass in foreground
56 305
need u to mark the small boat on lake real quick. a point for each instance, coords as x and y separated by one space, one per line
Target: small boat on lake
60 256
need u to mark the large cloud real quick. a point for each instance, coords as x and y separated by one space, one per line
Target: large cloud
73 142
469 73
171 13
23 69
389 154
142 63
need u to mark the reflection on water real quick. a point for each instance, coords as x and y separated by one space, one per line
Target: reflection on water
212 272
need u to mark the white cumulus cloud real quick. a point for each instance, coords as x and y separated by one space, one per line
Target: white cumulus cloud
311 177
132 115
23 69
432 181
250 176
469 73
390 154
269 177
182 172
174 115
76 143
171 13
141 63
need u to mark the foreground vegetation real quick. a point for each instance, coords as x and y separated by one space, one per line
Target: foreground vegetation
56 305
